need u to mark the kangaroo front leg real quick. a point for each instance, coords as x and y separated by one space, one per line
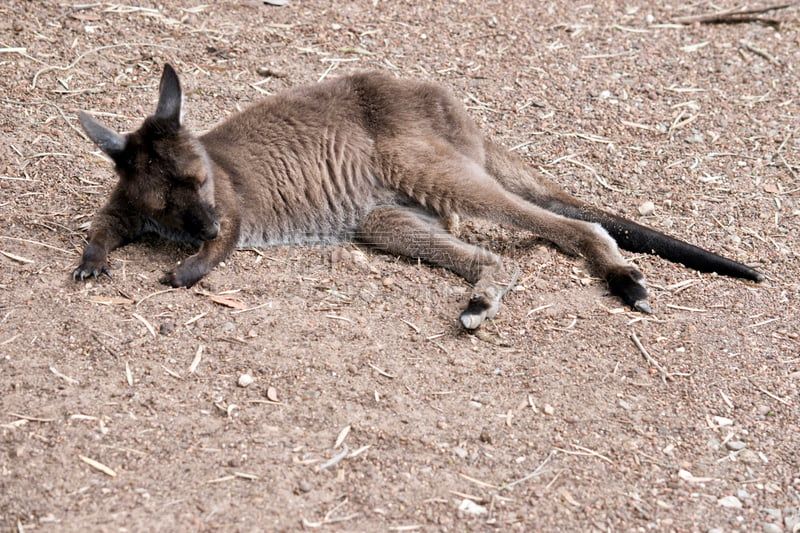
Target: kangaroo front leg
116 224
404 231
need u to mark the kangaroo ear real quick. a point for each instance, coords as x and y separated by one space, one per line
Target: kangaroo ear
170 96
109 141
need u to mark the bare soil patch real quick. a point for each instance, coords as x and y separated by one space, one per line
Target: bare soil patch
370 410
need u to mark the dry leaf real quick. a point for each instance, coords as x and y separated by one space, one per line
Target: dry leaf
342 435
564 493
196 361
227 302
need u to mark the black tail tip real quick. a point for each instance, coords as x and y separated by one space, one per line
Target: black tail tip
745 272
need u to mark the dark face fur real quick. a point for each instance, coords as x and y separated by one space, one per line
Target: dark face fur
164 171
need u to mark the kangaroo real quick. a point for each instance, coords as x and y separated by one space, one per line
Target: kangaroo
366 157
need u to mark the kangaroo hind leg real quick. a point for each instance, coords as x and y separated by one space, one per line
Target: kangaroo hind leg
411 233
445 181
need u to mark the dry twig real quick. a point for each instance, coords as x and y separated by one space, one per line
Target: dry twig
665 376
736 16
335 460
759 52
196 360
147 324
381 371
92 51
533 474
97 465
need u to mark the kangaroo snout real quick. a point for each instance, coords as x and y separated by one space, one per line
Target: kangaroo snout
210 231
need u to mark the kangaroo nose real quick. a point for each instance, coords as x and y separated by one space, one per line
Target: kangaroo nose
211 231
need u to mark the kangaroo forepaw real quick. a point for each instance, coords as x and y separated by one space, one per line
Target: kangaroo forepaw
186 274
90 270
628 284
171 278
179 278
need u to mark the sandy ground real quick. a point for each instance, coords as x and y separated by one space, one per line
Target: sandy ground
370 410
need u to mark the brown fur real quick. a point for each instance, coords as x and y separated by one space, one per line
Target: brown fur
366 157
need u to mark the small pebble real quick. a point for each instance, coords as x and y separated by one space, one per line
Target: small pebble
792 522
625 405
245 380
548 409
772 528
735 445
723 421
272 394
748 457
305 486
731 502
461 452
468 507
695 138
647 208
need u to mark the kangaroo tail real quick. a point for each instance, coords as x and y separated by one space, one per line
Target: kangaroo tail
518 178
641 239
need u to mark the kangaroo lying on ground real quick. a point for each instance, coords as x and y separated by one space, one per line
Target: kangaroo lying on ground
365 157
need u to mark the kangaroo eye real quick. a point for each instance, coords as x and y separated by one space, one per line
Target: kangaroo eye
186 180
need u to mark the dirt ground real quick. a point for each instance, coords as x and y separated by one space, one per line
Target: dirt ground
370 410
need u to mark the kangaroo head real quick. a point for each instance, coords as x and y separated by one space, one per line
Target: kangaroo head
165 172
